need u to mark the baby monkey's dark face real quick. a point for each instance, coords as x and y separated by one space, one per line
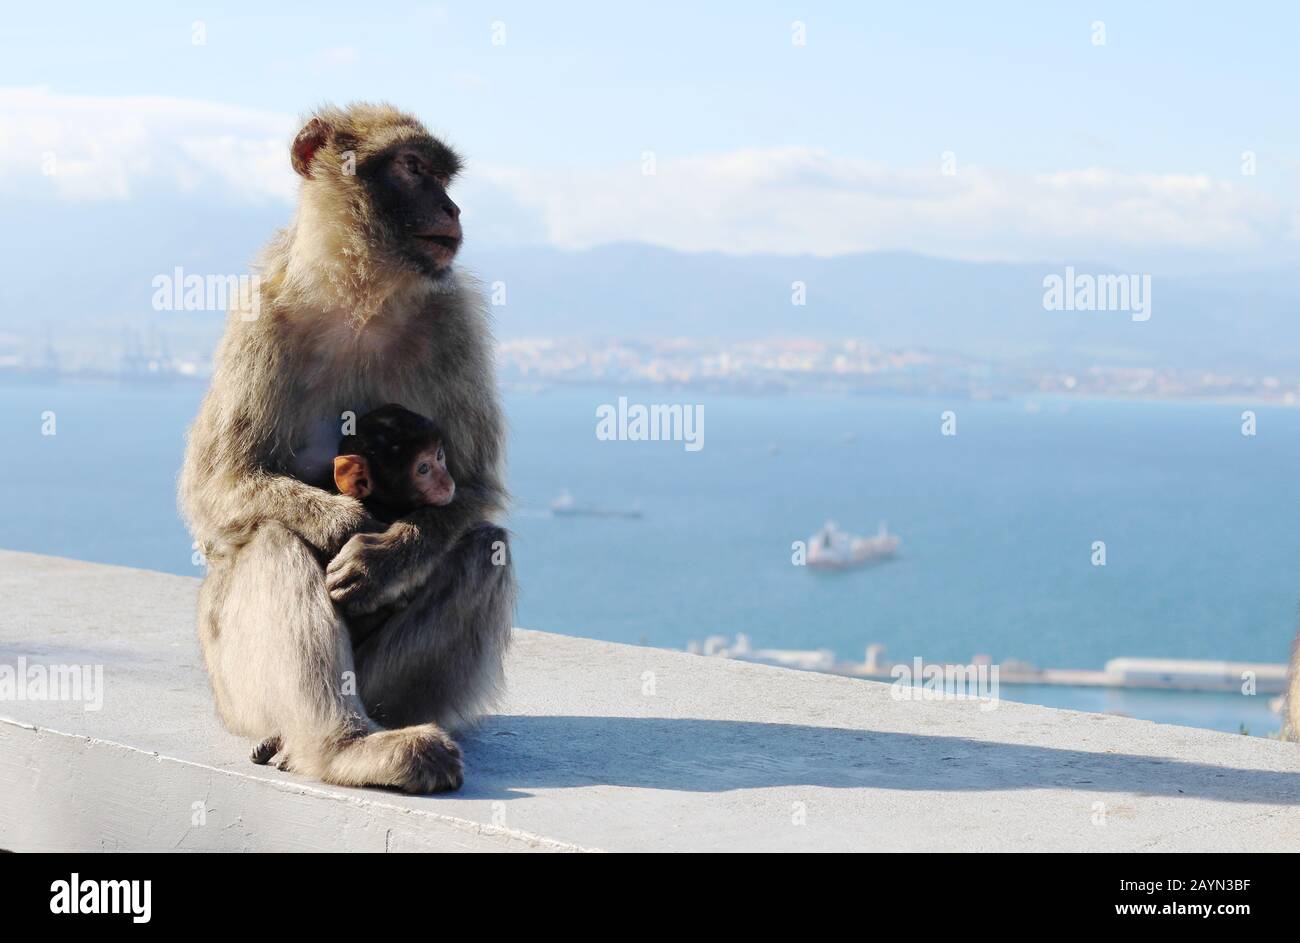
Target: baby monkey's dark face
396 458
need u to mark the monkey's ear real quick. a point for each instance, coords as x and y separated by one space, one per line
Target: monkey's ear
352 476
314 135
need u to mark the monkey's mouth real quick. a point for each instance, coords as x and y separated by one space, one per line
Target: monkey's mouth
442 248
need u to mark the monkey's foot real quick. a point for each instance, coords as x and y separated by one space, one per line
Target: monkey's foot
263 752
434 762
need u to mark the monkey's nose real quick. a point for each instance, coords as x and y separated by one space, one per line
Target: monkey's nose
451 209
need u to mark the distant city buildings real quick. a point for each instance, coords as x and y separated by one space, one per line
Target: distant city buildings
804 365
181 354
100 352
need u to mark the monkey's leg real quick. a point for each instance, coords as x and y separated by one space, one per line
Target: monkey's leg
440 658
282 657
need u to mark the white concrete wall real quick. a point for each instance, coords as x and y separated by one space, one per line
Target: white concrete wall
601 746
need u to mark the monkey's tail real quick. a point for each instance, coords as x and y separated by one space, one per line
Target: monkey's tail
417 759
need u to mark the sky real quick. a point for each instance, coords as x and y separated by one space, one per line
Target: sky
1159 135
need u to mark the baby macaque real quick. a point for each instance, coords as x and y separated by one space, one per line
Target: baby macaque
394 463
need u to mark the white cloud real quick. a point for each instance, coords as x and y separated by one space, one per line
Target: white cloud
780 200
86 147
798 200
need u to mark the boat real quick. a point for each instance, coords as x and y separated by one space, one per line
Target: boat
833 549
565 506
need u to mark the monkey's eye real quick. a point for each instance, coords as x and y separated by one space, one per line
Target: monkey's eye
413 165
443 181
423 469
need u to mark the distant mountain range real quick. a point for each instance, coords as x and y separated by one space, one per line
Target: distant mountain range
65 264
894 299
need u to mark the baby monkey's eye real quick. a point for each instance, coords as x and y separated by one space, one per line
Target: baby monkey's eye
423 469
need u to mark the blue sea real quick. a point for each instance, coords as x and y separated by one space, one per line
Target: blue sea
1201 524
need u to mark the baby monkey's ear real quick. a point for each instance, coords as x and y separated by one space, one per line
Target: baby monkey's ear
352 476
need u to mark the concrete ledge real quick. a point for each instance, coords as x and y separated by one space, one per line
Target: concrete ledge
600 746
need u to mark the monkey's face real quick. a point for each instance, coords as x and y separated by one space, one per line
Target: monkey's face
408 187
391 176
410 476
430 478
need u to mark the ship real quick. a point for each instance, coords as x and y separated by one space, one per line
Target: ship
833 549
565 506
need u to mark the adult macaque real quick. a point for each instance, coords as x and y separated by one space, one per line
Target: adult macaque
360 305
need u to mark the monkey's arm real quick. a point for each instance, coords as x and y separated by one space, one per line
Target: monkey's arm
230 485
243 498
375 570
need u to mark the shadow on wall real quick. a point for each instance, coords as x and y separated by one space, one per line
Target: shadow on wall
506 756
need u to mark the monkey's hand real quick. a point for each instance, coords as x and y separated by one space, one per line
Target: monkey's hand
346 518
368 573
377 570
